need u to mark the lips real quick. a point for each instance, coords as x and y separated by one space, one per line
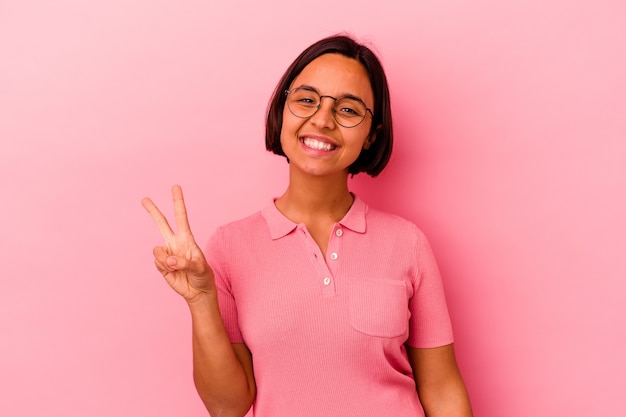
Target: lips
318 145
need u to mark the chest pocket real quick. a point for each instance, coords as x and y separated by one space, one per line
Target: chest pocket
378 307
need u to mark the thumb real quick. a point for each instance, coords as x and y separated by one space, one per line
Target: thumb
192 266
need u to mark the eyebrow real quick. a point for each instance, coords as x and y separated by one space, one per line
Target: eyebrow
310 88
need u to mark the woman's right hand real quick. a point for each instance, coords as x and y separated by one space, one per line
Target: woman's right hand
180 260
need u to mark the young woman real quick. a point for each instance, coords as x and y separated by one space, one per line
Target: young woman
318 305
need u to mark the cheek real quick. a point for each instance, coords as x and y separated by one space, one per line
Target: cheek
290 127
287 124
288 131
358 138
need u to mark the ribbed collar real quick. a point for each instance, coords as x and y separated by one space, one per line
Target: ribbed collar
280 225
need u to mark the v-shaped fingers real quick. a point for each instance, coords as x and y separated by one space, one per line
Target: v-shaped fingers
158 218
180 211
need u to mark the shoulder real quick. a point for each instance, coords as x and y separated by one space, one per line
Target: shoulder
397 232
247 223
392 224
239 232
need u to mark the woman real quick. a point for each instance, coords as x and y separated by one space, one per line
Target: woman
318 305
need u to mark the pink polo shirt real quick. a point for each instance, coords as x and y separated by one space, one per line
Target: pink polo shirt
327 333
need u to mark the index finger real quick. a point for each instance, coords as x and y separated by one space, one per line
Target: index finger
158 217
180 211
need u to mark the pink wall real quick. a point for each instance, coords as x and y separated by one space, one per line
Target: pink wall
511 155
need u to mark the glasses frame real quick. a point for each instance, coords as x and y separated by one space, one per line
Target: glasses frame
287 92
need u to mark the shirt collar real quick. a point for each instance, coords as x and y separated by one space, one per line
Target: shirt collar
280 225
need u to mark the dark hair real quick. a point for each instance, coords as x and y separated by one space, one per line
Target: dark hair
372 160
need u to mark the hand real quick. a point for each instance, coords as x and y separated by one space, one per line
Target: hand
180 261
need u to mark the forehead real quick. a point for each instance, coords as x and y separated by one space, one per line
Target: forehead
336 75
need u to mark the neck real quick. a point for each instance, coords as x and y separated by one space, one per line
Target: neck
311 197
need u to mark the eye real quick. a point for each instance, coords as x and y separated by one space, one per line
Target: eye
348 107
304 97
348 111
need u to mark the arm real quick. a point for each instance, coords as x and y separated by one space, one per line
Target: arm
439 383
222 371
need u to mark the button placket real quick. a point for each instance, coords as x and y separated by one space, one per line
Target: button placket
333 254
321 269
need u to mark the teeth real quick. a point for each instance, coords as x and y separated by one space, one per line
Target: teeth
316 144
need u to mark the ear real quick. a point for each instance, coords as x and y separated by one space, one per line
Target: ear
371 137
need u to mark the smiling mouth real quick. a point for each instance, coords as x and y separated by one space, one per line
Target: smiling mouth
318 145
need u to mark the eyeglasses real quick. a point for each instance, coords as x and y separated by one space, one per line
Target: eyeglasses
348 111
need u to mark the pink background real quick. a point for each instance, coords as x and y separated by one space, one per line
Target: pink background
510 154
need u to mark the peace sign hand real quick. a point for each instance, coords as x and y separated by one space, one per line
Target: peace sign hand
180 261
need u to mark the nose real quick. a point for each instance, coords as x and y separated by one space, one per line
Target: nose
324 116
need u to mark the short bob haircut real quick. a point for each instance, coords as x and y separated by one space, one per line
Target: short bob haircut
372 160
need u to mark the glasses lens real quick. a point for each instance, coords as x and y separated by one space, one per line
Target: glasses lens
303 102
349 112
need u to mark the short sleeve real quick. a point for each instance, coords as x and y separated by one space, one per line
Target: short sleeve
216 257
429 325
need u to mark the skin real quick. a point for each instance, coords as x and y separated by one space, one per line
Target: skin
222 371
318 196
439 383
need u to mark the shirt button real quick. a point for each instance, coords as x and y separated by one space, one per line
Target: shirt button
333 256
339 232
326 281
